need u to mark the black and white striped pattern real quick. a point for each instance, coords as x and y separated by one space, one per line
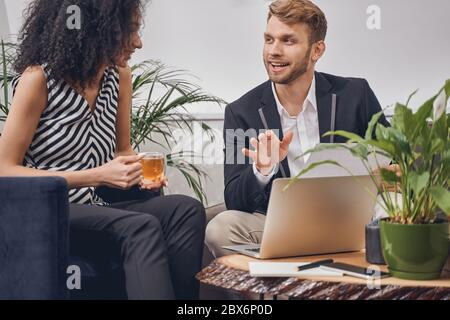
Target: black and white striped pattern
70 137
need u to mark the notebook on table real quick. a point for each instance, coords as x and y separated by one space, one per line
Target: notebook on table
286 269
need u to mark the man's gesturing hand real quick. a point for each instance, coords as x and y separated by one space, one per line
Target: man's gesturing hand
269 150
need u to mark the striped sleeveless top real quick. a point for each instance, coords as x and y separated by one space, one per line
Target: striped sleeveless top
70 137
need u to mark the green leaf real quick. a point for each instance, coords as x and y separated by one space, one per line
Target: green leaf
311 167
321 147
410 97
5 76
442 198
437 146
403 119
353 137
419 121
386 146
447 87
418 181
439 129
360 150
448 123
395 137
372 124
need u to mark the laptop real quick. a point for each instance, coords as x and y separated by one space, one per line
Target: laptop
316 214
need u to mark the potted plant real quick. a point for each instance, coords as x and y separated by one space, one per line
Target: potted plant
414 238
161 97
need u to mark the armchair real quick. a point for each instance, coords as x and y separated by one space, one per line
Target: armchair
34 243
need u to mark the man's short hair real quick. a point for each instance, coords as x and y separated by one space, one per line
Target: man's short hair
301 11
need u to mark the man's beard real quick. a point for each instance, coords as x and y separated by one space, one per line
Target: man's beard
294 74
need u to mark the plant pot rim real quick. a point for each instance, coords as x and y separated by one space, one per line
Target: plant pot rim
422 225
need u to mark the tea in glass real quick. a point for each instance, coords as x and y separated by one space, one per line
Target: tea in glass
153 166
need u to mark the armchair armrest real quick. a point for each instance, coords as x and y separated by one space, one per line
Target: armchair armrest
33 237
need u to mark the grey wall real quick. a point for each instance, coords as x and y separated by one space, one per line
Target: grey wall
4 22
12 11
221 41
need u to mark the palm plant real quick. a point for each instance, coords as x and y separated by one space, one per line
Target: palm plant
7 51
161 97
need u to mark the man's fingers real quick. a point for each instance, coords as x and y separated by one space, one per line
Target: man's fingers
262 138
249 153
269 142
287 139
254 143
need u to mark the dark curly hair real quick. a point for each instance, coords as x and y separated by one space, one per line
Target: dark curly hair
76 54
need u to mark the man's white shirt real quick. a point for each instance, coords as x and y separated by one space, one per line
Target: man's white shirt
305 128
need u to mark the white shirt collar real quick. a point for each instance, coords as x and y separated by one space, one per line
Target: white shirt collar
310 97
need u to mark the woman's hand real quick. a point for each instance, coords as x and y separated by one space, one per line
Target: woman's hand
154 185
123 172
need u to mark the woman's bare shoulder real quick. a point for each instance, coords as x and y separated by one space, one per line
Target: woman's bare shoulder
124 73
33 75
31 89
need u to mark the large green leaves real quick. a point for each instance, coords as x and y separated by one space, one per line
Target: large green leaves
373 122
442 198
417 181
403 120
447 87
419 147
313 166
394 139
352 137
419 122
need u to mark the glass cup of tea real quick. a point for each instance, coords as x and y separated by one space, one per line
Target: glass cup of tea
153 165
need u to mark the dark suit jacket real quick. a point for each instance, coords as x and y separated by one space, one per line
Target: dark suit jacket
356 104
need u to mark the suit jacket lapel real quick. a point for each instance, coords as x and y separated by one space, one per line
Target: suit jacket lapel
269 108
272 117
323 96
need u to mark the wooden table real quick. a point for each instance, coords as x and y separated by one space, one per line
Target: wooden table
231 273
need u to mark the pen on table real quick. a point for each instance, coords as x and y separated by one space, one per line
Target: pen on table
314 264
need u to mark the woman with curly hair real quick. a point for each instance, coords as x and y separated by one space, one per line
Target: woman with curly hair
70 117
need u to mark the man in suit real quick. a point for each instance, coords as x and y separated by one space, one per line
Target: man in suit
282 118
